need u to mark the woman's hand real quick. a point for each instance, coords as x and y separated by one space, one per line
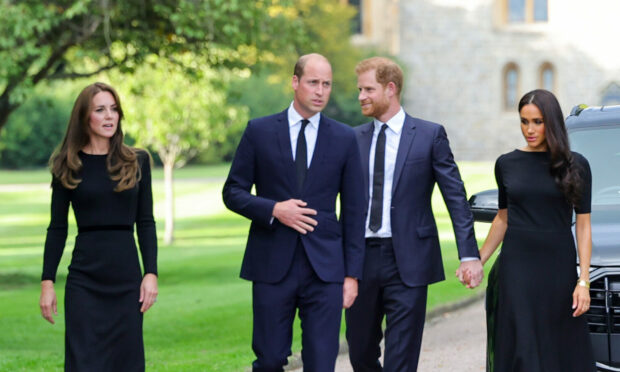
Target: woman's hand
47 302
581 300
148 291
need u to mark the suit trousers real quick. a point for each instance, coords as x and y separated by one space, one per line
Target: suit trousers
383 293
320 312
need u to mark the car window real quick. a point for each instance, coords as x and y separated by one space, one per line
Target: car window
601 146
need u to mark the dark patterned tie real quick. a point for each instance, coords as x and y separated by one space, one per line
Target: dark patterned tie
376 205
301 156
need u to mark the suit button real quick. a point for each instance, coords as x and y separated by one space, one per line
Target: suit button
392 207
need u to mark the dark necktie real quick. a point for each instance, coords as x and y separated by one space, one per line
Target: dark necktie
376 205
301 156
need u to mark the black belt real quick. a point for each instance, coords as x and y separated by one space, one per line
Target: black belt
84 229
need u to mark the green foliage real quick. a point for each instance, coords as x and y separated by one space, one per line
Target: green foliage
261 94
34 131
63 39
180 108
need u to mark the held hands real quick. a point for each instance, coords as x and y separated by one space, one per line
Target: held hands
293 214
470 273
47 302
581 300
349 292
148 292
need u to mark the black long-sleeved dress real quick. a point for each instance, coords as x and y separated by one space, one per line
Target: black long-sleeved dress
530 320
102 312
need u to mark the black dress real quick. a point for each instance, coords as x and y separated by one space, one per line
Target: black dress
102 312
536 273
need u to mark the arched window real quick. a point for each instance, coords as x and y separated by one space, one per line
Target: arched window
547 77
511 86
526 11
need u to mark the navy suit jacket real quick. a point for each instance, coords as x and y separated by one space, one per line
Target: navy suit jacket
423 159
264 159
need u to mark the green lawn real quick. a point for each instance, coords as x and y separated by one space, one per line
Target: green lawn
202 320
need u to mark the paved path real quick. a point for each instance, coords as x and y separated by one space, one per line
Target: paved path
453 341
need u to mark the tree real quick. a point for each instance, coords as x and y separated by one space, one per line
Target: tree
178 109
36 128
65 39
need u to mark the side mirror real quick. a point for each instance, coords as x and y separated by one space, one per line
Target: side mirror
483 205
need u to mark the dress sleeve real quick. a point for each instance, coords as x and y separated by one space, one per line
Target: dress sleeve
501 189
56 231
585 203
145 223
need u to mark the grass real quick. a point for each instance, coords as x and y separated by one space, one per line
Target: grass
202 320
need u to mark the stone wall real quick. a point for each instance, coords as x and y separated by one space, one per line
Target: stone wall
454 53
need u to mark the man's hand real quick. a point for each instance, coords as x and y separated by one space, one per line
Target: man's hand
293 214
470 273
349 292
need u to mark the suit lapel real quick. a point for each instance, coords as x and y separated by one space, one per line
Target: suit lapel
286 153
364 141
321 147
406 139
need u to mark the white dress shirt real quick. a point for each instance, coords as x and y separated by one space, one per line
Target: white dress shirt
392 139
312 129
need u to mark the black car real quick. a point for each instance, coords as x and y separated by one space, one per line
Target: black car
594 132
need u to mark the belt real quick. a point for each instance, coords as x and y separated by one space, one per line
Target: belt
84 229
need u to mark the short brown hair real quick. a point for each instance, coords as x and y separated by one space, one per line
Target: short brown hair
303 60
386 70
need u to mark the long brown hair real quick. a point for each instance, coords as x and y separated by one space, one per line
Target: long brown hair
122 162
563 167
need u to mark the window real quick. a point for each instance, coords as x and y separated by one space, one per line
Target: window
611 95
516 11
540 11
511 86
526 11
356 21
547 77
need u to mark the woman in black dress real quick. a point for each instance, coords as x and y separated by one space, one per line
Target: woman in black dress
535 298
108 185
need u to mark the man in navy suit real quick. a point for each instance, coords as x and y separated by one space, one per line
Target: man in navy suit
299 255
402 158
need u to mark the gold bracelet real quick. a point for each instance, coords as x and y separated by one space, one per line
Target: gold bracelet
583 283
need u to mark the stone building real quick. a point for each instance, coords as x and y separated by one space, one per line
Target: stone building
467 62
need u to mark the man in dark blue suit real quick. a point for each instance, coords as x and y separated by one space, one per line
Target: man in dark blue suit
403 158
299 255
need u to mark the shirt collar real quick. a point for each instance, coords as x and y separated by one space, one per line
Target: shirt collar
294 117
395 123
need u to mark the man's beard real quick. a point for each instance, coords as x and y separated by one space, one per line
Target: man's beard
377 109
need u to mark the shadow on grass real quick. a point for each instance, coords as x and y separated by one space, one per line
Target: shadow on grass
17 280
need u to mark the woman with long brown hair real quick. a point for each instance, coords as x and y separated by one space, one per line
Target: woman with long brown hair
108 184
535 299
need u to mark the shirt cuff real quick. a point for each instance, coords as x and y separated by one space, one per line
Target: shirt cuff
465 259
